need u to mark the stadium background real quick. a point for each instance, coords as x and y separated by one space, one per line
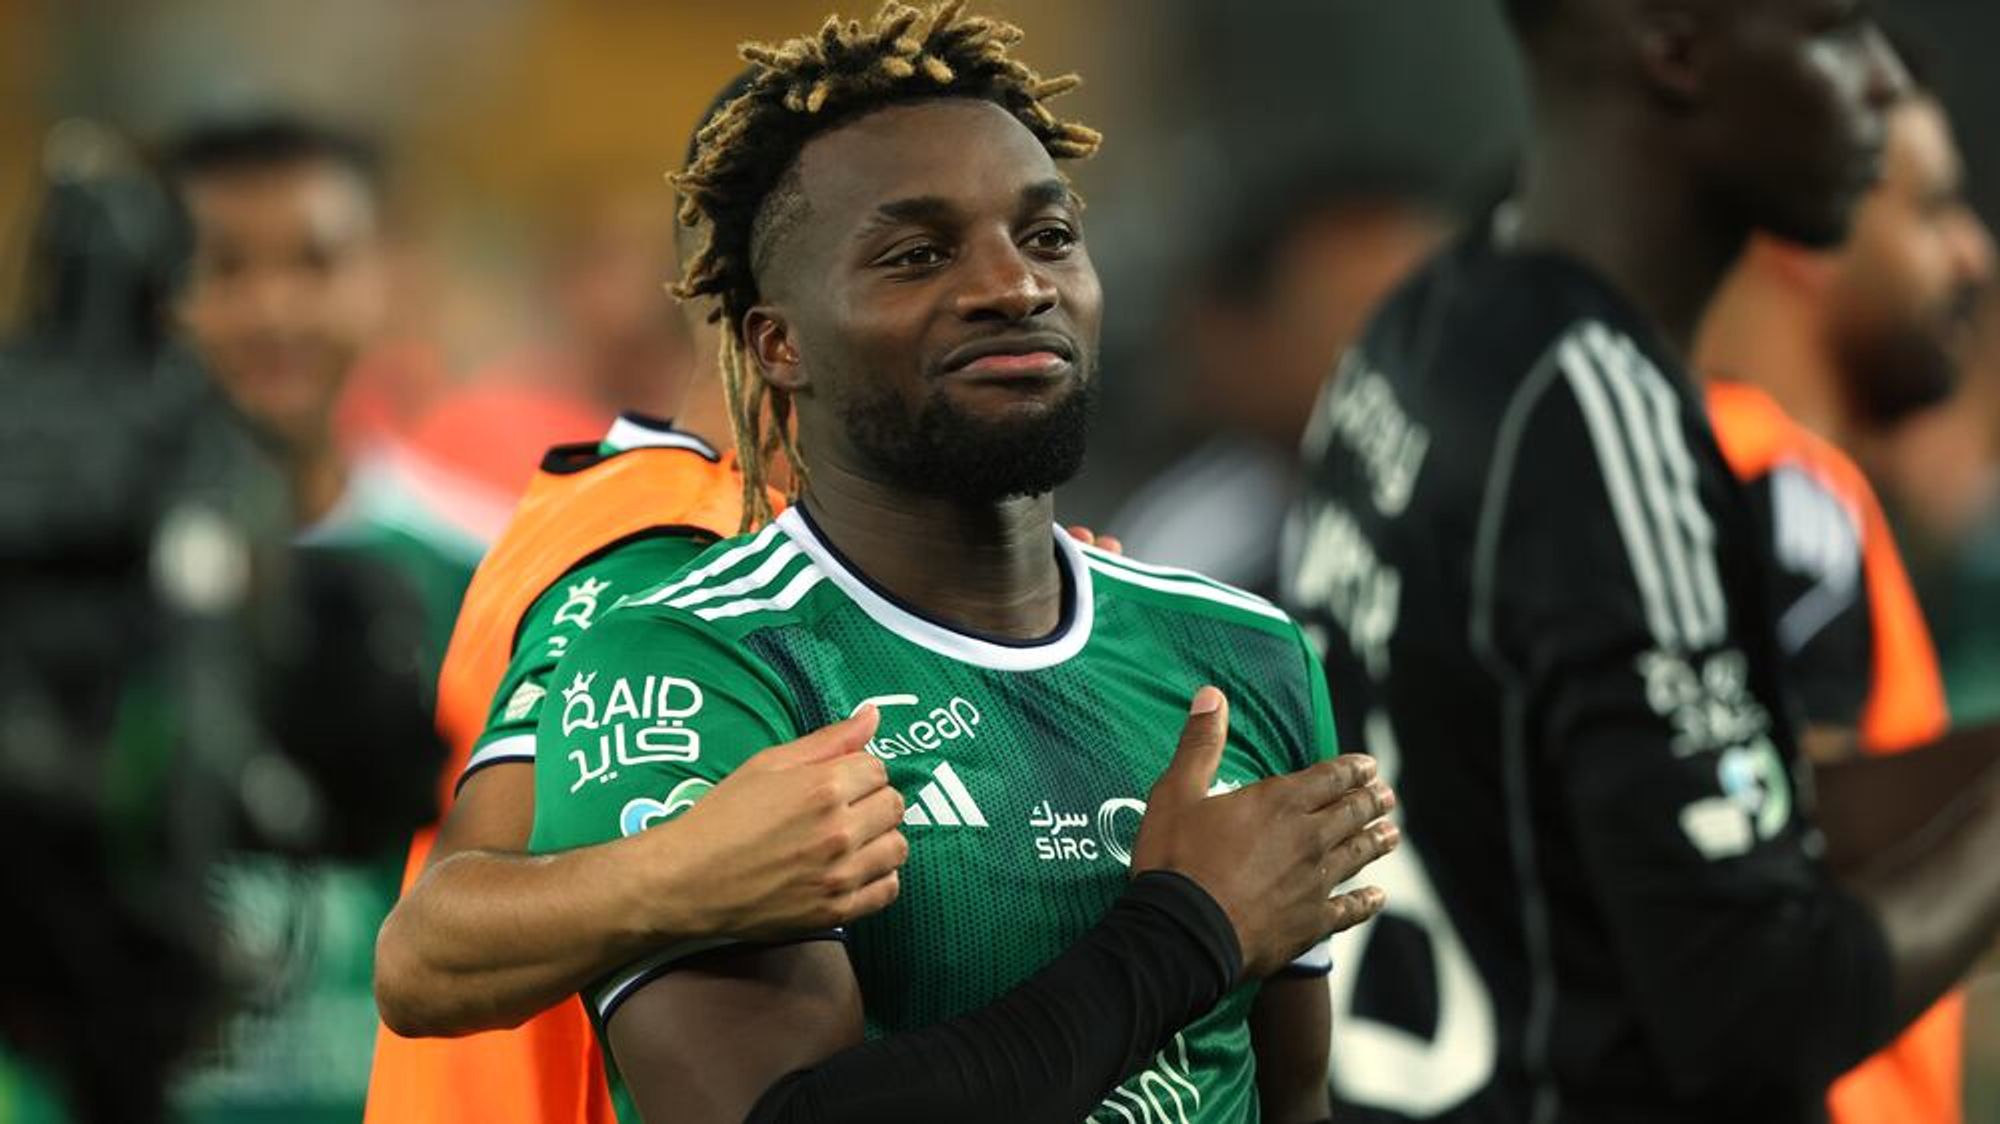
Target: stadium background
1269 167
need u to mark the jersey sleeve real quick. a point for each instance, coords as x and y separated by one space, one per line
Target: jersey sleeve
1322 744
1820 592
649 710
1325 741
1597 601
561 614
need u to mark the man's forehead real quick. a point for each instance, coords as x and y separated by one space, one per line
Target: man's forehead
326 198
958 149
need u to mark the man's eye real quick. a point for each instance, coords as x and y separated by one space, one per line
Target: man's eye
916 257
1052 238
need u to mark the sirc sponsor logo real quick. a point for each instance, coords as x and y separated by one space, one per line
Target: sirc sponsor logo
1083 837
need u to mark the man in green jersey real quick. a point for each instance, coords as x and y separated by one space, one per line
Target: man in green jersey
900 266
285 291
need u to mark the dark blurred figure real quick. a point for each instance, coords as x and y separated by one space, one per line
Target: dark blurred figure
1856 341
285 293
1941 478
1812 356
1625 893
166 658
1275 304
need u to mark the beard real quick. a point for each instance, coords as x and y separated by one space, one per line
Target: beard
946 452
1893 372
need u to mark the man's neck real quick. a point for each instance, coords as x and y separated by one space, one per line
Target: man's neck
986 568
1762 331
317 473
1633 218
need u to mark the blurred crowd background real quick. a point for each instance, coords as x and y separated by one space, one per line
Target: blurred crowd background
1270 170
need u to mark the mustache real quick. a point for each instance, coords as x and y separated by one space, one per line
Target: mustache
1962 309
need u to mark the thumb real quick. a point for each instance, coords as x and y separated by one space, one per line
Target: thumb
846 736
1199 753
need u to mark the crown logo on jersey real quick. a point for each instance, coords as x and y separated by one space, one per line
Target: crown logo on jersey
580 605
579 709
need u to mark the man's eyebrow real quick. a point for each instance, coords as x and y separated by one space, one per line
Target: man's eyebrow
935 210
1047 193
917 209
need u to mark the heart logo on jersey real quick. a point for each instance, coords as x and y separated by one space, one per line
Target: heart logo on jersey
643 812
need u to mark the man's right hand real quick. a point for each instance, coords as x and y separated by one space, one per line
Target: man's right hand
802 836
1271 853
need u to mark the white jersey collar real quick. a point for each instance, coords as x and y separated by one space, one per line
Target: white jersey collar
981 651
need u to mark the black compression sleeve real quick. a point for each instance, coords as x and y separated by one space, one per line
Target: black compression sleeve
1053 1047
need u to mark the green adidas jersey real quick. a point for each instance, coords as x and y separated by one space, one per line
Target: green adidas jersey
1024 765
554 621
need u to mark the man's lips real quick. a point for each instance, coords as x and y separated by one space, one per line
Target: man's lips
1031 364
1028 355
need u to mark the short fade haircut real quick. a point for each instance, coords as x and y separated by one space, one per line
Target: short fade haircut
270 140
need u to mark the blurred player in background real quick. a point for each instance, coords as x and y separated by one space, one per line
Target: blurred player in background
1810 354
1615 906
285 291
1270 310
901 270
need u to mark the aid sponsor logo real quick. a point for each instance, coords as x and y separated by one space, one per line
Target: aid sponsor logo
639 721
901 736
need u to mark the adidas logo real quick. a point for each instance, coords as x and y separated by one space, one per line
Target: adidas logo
944 802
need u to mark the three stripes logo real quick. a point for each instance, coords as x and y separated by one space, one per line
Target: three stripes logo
944 802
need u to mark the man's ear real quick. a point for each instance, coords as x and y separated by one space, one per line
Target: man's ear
767 336
1672 51
1800 267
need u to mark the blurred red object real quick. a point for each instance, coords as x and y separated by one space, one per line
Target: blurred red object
492 433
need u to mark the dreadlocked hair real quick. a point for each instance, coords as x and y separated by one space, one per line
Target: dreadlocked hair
735 181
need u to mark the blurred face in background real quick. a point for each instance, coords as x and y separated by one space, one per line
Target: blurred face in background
1907 282
609 267
286 290
1262 348
1790 111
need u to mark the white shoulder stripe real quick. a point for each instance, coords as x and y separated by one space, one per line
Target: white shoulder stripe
1712 605
723 562
1641 430
763 575
1097 554
1652 416
1199 590
794 591
1609 441
1634 421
